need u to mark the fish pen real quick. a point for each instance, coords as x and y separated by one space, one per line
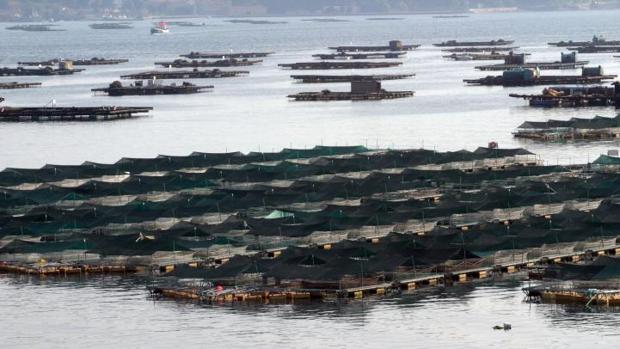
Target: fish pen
531 77
360 91
339 65
185 74
346 56
571 97
517 61
18 85
232 62
138 88
394 45
226 55
455 43
315 79
575 129
302 224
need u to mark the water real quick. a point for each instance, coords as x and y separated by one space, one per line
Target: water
113 312
252 113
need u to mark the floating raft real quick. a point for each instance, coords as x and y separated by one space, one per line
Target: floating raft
540 80
116 89
222 55
185 74
82 62
64 269
338 65
454 43
10 114
35 28
344 55
181 63
574 295
596 41
480 49
47 71
107 26
18 85
477 56
348 96
393 45
571 97
596 49
310 79
597 128
534 65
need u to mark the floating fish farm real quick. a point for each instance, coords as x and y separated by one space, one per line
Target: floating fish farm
530 77
315 79
394 45
338 65
455 43
226 55
574 129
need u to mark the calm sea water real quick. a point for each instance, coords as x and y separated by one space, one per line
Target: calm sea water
252 113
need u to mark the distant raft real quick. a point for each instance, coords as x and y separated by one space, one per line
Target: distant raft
338 65
572 97
531 77
231 62
455 43
45 114
76 62
514 61
185 74
225 55
18 85
360 91
369 55
483 49
394 45
596 41
110 26
138 88
315 79
597 128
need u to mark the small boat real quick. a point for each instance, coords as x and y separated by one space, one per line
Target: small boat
160 28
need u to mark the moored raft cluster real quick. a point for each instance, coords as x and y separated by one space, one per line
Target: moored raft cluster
316 223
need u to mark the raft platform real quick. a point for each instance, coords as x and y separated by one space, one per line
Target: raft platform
315 79
116 89
11 114
534 65
327 95
571 97
47 71
181 63
18 85
540 80
185 74
596 49
338 65
80 62
229 55
394 45
480 49
455 43
344 55
64 269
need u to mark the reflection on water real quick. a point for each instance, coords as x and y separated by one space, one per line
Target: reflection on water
116 311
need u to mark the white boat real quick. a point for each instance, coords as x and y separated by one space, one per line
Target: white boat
160 28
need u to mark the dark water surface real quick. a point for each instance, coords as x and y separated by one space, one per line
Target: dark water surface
112 312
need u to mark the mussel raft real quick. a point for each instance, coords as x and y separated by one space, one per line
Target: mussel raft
225 55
